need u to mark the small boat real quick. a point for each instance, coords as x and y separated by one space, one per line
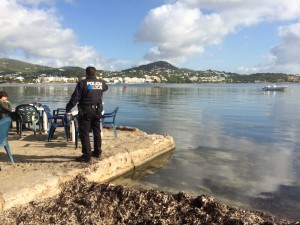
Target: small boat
274 88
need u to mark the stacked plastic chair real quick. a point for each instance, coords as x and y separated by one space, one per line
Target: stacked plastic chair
27 114
5 126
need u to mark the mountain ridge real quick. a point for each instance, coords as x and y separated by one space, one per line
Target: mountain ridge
13 65
21 66
160 71
153 66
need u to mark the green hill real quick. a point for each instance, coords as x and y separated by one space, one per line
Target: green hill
8 66
159 65
13 66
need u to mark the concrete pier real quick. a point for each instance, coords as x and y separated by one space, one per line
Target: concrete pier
41 167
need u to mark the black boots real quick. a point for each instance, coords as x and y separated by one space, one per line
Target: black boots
96 154
83 158
87 158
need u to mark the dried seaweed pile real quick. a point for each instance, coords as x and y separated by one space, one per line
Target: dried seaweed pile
83 202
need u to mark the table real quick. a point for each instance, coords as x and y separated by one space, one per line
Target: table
72 125
45 118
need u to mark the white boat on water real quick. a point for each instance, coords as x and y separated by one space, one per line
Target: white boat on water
274 88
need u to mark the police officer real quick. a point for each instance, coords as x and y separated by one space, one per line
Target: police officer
88 94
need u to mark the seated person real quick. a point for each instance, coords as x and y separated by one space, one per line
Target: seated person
36 103
5 106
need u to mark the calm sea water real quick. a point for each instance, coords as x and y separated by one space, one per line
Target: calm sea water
235 142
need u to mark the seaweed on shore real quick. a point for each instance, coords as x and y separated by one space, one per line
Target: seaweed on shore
84 202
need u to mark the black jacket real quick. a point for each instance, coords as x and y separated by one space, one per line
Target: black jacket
87 92
5 109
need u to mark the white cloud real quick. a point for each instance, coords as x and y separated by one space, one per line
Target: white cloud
178 31
288 49
37 35
284 57
184 28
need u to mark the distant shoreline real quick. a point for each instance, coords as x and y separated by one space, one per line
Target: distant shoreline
150 84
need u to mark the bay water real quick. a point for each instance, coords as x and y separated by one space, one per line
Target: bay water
234 142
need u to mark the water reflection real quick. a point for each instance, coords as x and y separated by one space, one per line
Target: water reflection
248 143
134 177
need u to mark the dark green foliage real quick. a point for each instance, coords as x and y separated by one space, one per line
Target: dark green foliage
30 71
260 77
153 66
13 66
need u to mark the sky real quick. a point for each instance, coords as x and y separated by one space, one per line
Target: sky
242 36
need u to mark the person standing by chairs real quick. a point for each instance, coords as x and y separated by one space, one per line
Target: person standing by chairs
88 94
5 106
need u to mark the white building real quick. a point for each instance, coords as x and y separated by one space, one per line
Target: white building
133 80
58 79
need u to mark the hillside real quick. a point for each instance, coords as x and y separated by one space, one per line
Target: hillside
156 72
153 66
11 66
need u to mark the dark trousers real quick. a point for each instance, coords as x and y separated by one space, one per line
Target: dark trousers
89 119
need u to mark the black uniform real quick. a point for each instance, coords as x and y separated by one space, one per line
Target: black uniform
88 94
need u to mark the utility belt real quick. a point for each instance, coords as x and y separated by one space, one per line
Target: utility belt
82 109
92 106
